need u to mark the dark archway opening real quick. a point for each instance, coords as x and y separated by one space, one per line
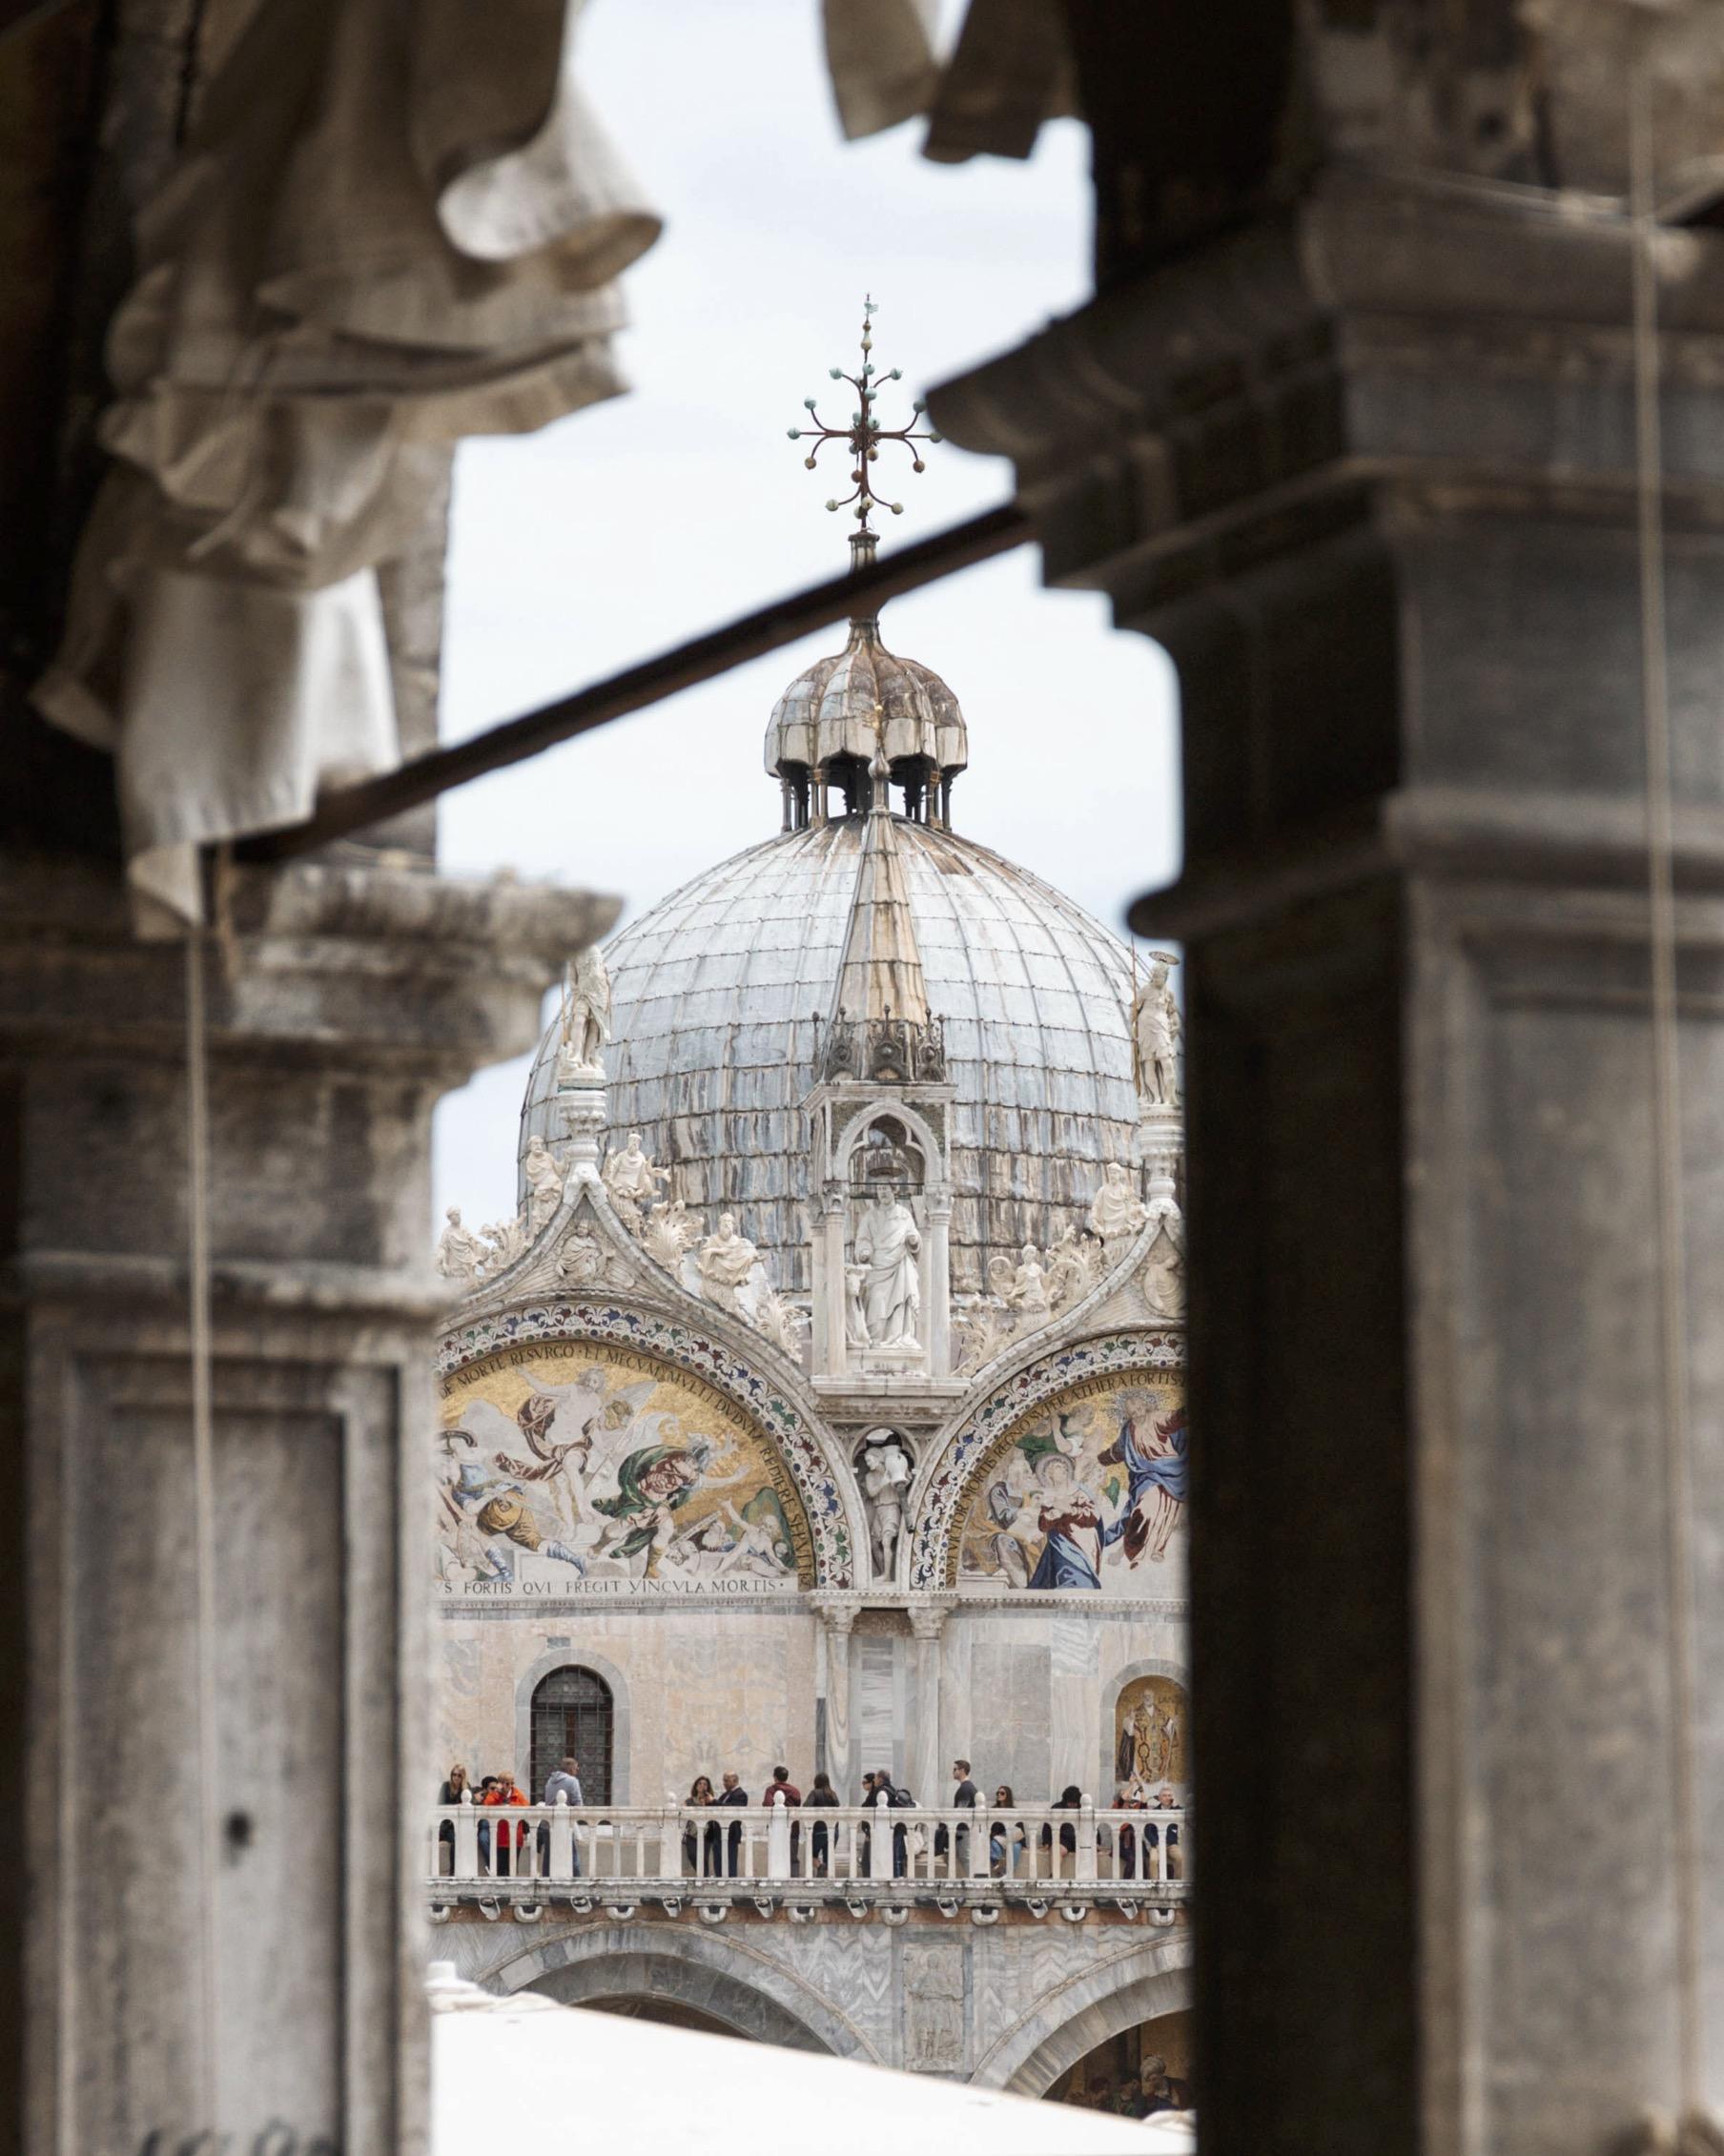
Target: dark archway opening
573 1716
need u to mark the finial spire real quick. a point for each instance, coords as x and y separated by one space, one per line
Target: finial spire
864 435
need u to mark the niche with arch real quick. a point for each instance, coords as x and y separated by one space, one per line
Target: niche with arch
573 1714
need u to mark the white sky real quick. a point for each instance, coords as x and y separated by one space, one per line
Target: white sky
638 523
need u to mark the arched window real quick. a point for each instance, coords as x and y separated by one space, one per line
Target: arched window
572 1714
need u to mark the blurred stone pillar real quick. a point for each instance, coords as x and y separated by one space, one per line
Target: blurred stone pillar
928 1768
1365 466
351 1001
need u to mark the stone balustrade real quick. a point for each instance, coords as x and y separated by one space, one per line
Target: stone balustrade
524 1856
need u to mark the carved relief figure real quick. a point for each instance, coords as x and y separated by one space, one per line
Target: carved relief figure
888 1242
1116 1211
543 1185
585 1020
631 1181
884 1479
1156 1030
1163 1275
459 1253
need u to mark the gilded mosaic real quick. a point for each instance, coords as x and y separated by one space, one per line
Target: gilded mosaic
1085 1491
569 1469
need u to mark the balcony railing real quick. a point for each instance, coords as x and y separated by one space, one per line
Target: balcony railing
526 1856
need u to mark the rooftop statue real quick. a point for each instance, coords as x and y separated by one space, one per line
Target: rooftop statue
1156 1030
585 1021
460 1252
543 1175
1116 1211
632 1181
888 1243
725 1261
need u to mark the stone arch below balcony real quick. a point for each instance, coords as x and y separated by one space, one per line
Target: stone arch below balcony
1069 2020
678 1966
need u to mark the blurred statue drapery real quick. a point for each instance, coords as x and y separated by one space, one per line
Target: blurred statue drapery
395 223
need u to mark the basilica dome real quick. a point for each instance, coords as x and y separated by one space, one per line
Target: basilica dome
720 991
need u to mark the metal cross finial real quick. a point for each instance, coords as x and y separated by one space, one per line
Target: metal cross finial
864 434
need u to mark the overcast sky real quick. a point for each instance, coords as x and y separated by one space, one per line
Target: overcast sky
637 523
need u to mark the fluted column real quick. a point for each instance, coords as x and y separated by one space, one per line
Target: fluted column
937 1317
838 1617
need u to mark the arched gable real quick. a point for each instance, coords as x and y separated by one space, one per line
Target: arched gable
955 1459
819 1483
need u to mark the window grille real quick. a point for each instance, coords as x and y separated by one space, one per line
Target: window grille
573 1714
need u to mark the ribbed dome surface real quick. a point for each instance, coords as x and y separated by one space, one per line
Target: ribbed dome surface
717 990
828 711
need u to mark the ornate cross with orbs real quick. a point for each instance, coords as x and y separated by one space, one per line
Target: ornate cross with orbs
864 433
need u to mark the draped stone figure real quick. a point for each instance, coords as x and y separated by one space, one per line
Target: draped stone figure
1116 1211
888 1245
544 1184
585 1020
460 1252
632 1181
725 1261
1156 1038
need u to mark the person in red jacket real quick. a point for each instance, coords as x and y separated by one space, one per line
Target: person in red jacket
782 1790
504 1790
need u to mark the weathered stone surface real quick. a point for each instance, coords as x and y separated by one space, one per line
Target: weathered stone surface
344 1004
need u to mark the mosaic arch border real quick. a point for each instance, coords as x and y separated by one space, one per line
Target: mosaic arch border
831 1527
951 1467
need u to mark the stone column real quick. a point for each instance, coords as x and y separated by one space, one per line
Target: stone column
1367 470
832 1359
839 1618
937 1318
928 1620
353 999
1159 1144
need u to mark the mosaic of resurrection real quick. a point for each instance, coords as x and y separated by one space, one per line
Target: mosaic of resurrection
570 1467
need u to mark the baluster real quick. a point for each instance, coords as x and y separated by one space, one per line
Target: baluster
1086 1838
879 1841
980 1849
778 1840
561 1864
467 1839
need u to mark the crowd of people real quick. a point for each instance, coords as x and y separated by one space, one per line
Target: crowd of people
715 1850
1151 2090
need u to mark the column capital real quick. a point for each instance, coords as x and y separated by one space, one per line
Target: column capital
838 1612
927 1619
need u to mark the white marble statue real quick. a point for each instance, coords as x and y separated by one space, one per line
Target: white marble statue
543 1175
888 1242
1116 1211
725 1262
1156 1036
586 1020
885 1480
632 1183
1022 1288
460 1252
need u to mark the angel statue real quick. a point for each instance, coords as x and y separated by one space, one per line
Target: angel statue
586 1020
1023 1287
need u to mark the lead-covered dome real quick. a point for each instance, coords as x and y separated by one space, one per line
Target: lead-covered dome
718 991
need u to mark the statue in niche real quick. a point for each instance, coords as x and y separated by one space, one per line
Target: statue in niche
1023 1288
1156 1030
725 1261
884 1479
631 1183
543 1175
888 1242
1116 1211
460 1252
585 1021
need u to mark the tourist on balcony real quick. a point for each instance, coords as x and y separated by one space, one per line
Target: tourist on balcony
454 1789
563 1781
880 1784
1069 1799
733 1793
702 1793
503 1790
963 1798
824 1795
1128 1797
1005 1837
